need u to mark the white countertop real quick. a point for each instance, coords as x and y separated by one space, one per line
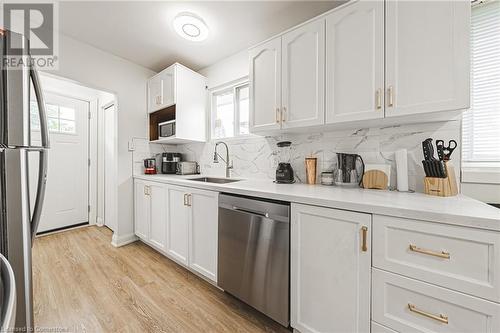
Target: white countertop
459 210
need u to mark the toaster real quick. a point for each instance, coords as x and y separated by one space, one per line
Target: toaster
187 168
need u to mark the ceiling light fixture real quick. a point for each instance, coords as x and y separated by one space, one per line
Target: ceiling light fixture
190 27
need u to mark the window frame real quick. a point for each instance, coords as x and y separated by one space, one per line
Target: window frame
234 87
58 118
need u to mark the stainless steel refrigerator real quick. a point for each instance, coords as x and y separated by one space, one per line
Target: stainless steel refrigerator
19 217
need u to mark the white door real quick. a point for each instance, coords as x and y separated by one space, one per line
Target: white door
427 56
158 218
203 233
303 70
355 62
177 224
66 197
265 86
330 270
142 209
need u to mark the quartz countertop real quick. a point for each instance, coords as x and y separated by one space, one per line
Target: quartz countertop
457 210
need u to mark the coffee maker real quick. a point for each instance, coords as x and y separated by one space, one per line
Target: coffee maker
169 162
350 170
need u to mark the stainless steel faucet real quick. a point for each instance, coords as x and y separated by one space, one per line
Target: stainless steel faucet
229 164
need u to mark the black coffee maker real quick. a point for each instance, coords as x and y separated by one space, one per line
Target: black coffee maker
349 172
169 162
284 172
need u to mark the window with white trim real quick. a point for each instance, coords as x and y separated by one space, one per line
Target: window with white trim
230 111
481 124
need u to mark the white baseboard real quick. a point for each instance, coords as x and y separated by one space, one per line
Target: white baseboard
118 241
100 221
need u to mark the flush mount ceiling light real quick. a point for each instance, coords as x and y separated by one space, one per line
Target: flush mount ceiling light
190 27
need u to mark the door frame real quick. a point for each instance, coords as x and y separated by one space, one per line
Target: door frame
96 199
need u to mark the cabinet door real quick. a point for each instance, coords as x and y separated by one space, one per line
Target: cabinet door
203 233
141 209
265 86
158 198
355 62
177 225
168 87
155 87
303 72
427 56
330 270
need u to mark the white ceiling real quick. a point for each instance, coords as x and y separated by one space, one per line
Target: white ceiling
142 32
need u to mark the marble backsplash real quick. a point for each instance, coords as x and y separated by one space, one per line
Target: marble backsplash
256 157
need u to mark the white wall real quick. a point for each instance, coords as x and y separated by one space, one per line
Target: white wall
227 70
101 70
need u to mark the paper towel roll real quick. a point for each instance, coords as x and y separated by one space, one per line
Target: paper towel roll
402 170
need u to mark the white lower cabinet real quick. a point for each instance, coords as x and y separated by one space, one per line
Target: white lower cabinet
203 232
180 222
150 219
330 270
408 305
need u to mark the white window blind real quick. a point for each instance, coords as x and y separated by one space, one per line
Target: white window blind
481 124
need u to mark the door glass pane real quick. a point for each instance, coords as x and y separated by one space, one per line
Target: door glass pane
67 126
66 113
53 124
52 110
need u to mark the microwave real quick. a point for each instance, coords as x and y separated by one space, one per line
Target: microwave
166 129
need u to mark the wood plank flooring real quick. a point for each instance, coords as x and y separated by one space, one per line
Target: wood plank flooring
83 284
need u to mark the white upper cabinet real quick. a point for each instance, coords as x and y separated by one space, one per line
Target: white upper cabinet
265 86
355 62
427 56
303 74
161 90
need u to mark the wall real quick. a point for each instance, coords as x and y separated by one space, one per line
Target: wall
98 69
257 157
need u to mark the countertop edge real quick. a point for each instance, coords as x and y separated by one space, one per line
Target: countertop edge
411 213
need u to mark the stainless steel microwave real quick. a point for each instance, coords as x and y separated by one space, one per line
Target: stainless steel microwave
166 129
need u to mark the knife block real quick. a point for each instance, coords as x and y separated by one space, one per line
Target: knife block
442 187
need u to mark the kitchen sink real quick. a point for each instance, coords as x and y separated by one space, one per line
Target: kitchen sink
215 180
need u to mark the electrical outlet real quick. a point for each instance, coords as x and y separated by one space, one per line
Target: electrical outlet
131 146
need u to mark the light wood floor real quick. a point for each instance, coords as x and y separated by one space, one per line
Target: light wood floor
83 284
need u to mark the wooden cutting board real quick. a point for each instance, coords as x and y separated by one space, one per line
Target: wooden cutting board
375 179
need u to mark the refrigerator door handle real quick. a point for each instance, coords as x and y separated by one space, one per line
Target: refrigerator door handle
41 107
40 192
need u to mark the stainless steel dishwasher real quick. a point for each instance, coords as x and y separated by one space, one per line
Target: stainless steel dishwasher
254 253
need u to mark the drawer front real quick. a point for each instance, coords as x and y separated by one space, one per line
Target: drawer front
459 258
405 305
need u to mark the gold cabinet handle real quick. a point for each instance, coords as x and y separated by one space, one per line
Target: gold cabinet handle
185 199
189 198
364 231
442 254
441 317
378 97
390 90
278 115
146 192
283 114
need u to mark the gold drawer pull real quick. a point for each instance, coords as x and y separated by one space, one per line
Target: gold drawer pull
442 254
441 318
